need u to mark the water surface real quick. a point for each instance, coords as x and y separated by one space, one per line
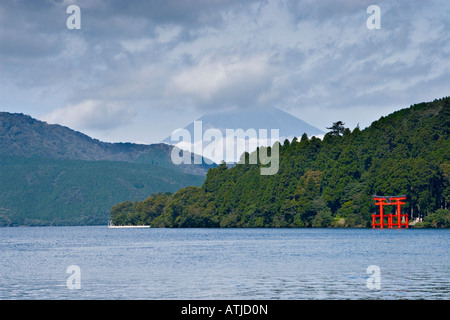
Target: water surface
223 263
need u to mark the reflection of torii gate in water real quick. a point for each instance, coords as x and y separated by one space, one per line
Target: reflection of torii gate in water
389 201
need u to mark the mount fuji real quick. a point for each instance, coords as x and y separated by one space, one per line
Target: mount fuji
288 127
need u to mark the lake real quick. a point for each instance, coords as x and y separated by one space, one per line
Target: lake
223 263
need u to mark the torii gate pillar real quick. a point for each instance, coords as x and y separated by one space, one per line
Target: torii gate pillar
385 201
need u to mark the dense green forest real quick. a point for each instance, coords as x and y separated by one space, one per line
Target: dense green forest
321 183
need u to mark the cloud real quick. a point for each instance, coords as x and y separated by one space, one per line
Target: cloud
92 114
227 78
306 57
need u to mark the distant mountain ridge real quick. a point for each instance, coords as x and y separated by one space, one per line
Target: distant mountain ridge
53 175
22 135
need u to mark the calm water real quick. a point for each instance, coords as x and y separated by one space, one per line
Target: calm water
223 263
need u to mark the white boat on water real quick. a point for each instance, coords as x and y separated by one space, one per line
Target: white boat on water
111 226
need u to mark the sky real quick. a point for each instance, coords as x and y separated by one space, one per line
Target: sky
137 70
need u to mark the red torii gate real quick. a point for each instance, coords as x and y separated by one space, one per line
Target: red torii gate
389 201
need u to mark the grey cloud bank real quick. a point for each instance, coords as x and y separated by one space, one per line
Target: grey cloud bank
137 70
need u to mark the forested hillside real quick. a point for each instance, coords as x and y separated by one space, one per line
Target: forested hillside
39 191
321 183
52 175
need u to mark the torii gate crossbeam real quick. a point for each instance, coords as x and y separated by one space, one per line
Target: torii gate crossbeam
389 201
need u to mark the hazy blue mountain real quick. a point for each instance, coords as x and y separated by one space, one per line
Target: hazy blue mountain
288 125
268 118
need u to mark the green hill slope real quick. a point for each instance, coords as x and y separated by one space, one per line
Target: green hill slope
36 191
321 183
52 175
